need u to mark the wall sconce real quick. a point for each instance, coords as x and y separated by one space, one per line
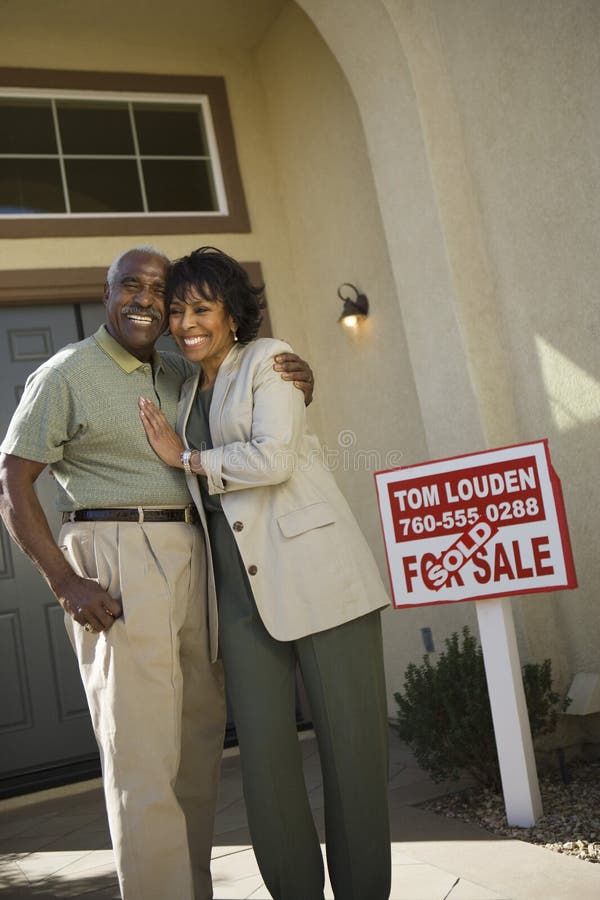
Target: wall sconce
354 310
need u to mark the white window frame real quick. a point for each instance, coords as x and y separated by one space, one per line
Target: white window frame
128 97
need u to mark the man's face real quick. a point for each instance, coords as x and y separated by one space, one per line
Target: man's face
135 304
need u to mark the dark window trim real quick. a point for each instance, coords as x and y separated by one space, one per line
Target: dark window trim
236 220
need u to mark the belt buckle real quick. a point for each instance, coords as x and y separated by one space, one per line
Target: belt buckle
187 515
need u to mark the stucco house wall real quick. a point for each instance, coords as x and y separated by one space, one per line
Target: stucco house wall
442 156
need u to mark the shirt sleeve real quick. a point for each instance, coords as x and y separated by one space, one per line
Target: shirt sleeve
45 420
272 453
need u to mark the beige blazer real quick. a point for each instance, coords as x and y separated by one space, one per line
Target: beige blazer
308 563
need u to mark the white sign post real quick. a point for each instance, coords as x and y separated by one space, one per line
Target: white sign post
509 712
483 527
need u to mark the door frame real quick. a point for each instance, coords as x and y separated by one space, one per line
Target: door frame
77 285
33 286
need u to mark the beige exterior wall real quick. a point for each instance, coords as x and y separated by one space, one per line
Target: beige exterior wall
503 106
366 395
315 223
55 38
442 155
524 78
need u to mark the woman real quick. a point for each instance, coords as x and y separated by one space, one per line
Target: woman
296 583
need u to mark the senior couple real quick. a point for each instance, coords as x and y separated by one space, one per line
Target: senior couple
201 531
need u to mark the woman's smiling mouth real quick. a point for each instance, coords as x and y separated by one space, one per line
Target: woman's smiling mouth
194 341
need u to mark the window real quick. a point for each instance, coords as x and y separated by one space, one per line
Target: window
79 162
63 155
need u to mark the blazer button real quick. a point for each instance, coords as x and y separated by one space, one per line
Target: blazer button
252 570
238 526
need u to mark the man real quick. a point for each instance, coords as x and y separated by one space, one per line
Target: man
130 572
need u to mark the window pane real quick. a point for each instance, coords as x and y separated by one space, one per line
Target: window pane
179 186
26 126
94 128
30 186
109 185
170 130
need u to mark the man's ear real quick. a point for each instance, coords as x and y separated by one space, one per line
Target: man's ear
106 292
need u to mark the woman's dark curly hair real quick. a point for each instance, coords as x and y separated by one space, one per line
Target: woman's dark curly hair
216 276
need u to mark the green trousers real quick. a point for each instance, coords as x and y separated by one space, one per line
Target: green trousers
342 670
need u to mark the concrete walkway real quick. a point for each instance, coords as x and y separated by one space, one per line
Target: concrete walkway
58 846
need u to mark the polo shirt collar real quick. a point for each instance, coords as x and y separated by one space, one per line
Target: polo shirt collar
120 355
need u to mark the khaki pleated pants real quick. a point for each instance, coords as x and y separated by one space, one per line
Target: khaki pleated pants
156 702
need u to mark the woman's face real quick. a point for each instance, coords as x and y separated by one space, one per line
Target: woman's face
202 328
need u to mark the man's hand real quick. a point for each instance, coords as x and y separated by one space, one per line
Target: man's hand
295 369
81 598
87 603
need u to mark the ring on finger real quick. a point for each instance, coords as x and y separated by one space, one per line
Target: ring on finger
89 628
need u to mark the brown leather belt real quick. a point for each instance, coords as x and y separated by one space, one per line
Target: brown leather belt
187 514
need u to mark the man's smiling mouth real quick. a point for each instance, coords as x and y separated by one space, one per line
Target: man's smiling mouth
141 320
139 317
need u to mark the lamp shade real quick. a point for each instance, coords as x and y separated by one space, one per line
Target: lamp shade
355 308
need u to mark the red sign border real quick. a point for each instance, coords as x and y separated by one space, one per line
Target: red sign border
561 516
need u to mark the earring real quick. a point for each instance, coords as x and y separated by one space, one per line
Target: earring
235 337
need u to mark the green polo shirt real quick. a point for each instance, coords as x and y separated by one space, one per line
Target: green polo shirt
79 414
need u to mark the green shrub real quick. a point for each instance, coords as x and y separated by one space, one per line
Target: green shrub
543 704
444 713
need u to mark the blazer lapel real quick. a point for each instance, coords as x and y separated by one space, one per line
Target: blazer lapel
186 400
184 407
223 382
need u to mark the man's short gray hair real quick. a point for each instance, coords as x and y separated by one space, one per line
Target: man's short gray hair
144 248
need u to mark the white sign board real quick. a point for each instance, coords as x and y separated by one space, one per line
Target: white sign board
489 524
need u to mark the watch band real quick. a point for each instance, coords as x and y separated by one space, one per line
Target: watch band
185 461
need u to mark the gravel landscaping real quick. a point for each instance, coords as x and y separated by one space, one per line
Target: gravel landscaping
571 820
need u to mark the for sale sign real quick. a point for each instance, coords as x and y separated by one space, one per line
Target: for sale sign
484 525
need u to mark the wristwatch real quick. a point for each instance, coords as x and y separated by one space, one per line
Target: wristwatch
185 461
